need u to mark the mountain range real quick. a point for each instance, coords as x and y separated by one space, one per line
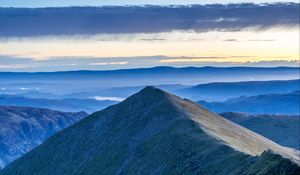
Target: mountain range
286 104
279 98
61 104
221 91
154 132
60 82
24 128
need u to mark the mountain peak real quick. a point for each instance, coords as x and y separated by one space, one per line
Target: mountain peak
152 90
222 129
148 95
151 132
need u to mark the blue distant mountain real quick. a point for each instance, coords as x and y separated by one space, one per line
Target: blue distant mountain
288 104
66 104
159 71
221 91
77 81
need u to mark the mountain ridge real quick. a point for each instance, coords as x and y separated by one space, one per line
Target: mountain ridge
61 104
154 132
59 82
275 103
161 68
221 91
24 128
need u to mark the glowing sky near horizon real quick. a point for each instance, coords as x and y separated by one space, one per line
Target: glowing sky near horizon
242 46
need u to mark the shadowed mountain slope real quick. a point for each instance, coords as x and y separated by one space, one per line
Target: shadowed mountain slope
24 128
154 132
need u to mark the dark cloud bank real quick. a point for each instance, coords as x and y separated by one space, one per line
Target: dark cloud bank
134 19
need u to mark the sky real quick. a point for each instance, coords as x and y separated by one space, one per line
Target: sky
132 37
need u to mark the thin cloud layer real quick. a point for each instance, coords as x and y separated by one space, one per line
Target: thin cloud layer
12 63
145 19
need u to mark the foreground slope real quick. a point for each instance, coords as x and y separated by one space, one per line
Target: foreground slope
24 128
153 132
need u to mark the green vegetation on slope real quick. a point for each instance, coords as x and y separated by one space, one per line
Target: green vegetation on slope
148 133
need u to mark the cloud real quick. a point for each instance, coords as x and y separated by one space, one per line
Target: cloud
262 40
145 19
272 63
120 63
98 64
100 98
231 40
14 66
10 63
199 59
110 63
294 63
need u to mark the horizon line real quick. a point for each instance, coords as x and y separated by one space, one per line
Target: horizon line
155 67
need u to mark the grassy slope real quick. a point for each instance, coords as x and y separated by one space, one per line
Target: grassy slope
145 134
282 129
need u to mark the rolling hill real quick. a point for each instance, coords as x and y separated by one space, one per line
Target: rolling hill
281 104
222 91
154 132
61 104
76 81
23 128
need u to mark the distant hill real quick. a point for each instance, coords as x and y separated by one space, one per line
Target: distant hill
22 129
282 129
38 95
288 104
67 105
224 90
61 82
154 132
